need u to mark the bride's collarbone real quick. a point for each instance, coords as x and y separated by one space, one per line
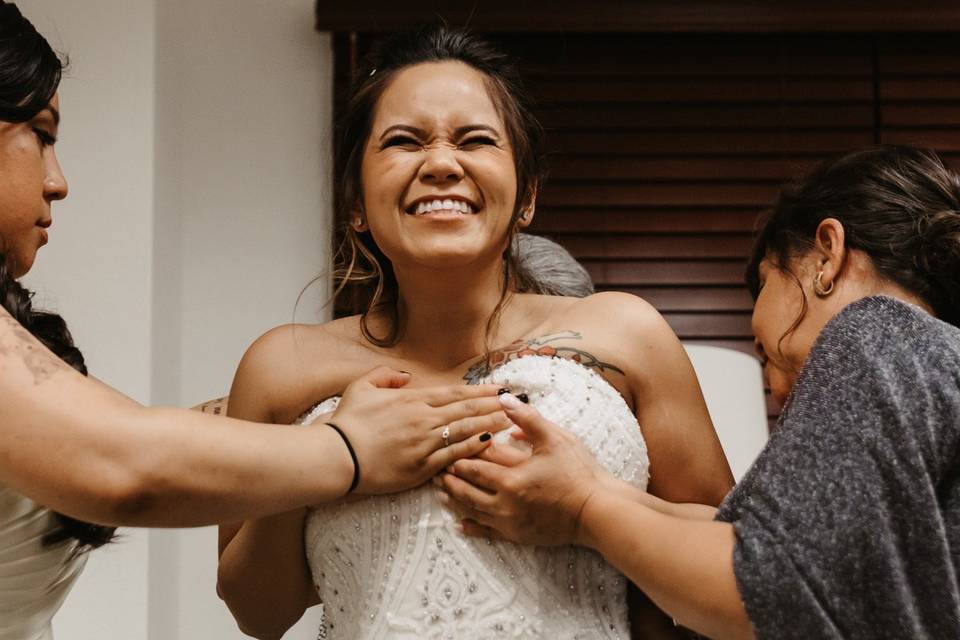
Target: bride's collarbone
559 338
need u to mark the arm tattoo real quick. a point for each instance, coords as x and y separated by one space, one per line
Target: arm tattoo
20 343
216 407
540 346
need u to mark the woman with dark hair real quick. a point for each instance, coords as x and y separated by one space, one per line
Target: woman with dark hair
440 161
72 444
848 524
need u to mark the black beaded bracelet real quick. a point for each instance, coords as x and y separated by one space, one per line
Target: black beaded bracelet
353 456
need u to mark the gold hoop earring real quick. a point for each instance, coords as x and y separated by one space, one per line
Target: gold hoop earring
818 286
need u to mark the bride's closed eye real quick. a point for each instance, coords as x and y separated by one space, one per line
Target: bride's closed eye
401 141
475 142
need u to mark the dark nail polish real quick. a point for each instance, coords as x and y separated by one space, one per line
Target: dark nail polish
484 437
522 397
502 391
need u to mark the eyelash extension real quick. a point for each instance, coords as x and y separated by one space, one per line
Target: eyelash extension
45 138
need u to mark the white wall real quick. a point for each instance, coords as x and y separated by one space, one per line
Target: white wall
96 269
195 140
243 112
732 384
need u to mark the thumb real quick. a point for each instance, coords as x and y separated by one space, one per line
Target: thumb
384 378
537 428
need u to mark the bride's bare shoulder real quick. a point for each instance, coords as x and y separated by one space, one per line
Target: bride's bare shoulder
293 365
617 312
609 310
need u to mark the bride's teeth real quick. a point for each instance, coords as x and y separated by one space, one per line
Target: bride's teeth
428 206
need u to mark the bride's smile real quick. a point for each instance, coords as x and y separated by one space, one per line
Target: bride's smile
439 176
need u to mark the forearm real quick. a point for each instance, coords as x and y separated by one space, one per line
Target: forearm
688 511
230 469
80 449
263 575
685 566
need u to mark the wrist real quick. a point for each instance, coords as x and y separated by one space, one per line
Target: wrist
613 486
338 461
595 515
584 525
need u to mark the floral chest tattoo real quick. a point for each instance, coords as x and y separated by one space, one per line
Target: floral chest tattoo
540 346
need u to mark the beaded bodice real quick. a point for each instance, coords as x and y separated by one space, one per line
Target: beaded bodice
34 577
396 566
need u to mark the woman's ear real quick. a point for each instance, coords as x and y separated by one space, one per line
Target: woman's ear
528 210
831 252
357 219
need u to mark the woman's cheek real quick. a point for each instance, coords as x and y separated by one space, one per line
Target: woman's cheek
780 382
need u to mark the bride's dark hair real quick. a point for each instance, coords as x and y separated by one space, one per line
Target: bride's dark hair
29 77
359 260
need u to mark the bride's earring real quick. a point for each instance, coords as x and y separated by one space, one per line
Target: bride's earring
818 286
359 225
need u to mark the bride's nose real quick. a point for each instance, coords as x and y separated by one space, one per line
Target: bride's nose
440 165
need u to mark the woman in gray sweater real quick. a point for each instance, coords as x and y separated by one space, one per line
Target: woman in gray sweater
848 523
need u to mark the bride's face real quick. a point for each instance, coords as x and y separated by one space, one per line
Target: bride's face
30 180
439 179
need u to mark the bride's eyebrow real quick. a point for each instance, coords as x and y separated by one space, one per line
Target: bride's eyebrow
419 133
472 128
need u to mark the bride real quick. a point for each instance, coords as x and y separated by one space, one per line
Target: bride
439 167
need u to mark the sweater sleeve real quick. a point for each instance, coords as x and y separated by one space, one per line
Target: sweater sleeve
839 527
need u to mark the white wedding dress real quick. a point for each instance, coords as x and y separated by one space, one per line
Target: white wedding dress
34 578
396 567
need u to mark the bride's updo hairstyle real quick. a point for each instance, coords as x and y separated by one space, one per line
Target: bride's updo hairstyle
899 205
359 259
29 77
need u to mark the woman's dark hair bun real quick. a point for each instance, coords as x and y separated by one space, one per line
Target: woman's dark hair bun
938 255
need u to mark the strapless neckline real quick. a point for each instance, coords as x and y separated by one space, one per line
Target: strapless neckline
396 566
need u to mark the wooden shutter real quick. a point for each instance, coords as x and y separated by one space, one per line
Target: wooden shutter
918 79
665 148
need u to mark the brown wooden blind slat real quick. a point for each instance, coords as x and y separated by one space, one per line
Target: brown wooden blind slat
665 148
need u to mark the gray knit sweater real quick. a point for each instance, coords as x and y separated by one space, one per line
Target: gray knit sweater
848 524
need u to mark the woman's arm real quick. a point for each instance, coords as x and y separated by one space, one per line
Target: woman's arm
684 564
687 463
83 449
686 511
263 575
